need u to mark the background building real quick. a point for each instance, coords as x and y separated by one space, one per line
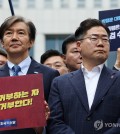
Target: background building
56 19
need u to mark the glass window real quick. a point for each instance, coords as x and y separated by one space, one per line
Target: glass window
31 3
48 3
15 3
81 3
1 3
55 42
97 3
64 3
113 3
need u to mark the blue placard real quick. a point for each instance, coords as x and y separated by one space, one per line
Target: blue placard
8 123
112 19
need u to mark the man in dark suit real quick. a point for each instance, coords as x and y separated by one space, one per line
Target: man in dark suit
71 53
3 57
17 37
88 100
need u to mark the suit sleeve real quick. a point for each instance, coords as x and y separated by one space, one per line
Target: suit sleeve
56 124
48 78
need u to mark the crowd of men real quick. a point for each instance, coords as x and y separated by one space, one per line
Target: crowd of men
86 96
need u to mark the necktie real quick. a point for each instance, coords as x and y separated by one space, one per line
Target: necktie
16 69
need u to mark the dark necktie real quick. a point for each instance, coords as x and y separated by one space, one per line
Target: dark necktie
16 69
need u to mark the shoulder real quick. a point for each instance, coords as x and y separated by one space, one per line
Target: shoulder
42 68
68 76
114 74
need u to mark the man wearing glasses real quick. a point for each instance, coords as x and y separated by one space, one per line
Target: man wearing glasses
88 100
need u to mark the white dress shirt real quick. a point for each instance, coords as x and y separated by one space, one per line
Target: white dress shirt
91 81
24 65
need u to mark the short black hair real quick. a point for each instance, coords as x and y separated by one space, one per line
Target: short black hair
88 24
48 54
70 39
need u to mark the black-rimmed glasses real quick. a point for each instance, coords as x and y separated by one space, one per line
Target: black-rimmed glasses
95 39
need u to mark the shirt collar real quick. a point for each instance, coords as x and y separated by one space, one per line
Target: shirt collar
95 69
23 65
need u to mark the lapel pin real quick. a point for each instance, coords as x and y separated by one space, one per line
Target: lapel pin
35 72
112 76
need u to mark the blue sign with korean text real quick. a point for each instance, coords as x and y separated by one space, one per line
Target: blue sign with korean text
112 19
8 123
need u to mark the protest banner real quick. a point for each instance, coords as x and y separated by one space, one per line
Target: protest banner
22 102
112 19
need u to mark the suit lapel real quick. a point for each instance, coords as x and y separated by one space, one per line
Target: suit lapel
106 80
34 67
78 83
4 71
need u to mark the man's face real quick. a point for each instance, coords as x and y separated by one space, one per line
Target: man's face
73 57
56 62
95 46
16 39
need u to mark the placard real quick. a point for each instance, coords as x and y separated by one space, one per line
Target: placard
22 102
112 19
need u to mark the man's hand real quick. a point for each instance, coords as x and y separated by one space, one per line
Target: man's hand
39 130
47 110
117 63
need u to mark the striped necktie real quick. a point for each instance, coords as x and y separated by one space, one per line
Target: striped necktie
15 70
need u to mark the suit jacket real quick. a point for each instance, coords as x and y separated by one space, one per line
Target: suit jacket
70 112
48 75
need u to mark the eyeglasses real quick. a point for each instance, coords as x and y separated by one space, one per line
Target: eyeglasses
95 39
